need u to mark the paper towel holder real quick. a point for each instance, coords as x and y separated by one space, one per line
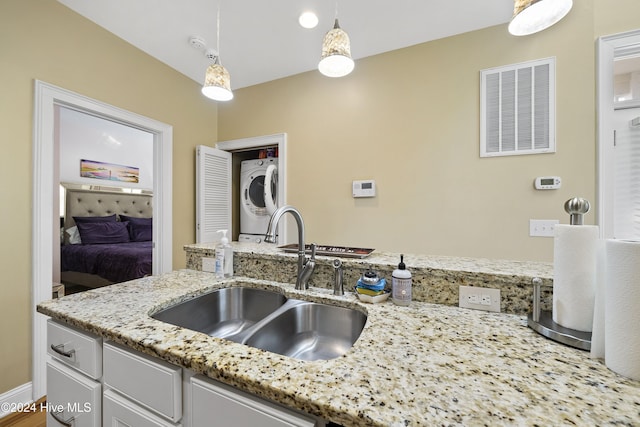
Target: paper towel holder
576 208
542 322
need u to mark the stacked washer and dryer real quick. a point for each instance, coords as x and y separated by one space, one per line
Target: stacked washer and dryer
258 197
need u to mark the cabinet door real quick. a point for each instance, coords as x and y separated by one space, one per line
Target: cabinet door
152 383
72 398
118 411
215 404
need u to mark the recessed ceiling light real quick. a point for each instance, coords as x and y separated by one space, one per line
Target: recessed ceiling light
308 20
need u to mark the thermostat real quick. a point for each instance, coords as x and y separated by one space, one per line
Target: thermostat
548 182
366 188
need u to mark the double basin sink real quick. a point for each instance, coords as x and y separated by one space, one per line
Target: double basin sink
270 321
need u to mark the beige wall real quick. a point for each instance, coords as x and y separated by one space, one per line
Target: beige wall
41 39
615 17
410 120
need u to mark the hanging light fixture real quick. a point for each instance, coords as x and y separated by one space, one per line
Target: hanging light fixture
531 16
336 52
217 81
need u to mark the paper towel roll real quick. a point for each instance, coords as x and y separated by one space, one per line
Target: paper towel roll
574 275
622 308
597 334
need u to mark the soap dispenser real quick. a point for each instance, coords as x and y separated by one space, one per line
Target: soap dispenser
401 284
224 257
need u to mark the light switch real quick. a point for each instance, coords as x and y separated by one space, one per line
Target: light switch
542 227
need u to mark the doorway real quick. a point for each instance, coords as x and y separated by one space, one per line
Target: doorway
611 48
249 148
46 218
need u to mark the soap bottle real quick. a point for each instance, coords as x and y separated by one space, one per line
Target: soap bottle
401 284
224 257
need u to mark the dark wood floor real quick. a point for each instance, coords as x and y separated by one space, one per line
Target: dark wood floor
27 419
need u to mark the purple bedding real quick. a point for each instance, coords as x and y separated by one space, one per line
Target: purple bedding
117 262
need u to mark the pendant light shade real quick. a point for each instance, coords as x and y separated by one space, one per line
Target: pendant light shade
336 53
531 16
217 83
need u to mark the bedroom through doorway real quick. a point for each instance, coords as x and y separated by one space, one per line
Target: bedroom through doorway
105 178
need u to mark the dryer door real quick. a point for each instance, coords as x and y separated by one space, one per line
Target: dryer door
254 195
270 189
254 217
254 213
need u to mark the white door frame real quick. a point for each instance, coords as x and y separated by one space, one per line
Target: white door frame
44 178
279 139
609 48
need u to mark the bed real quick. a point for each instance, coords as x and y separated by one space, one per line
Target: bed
106 235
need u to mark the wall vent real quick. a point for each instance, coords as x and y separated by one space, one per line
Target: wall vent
517 109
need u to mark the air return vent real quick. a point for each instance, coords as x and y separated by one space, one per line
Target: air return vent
517 109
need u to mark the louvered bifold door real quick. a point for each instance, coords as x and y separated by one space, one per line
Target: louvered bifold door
517 109
213 193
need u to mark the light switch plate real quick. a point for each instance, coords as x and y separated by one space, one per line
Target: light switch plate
542 227
486 299
209 265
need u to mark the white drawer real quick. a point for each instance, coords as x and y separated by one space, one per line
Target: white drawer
216 404
72 398
152 383
81 350
119 411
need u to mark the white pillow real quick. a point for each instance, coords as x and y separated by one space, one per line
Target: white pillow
74 235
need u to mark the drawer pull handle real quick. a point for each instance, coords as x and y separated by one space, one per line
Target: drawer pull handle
60 350
65 423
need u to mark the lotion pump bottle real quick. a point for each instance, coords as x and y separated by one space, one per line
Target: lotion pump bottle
224 257
401 284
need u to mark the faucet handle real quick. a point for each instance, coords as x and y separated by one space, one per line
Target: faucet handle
313 251
306 269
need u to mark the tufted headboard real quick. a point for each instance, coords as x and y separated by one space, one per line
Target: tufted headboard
94 200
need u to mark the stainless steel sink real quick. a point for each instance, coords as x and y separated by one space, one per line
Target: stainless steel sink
310 331
223 313
269 321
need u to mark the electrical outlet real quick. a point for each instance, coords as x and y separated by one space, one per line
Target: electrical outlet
542 227
209 265
486 299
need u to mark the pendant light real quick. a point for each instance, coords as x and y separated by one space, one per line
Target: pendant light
217 81
531 16
336 52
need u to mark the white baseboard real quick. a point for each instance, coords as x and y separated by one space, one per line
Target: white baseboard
12 399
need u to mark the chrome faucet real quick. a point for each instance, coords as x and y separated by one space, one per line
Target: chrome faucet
305 266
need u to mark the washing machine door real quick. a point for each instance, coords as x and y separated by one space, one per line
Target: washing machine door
270 188
254 212
254 195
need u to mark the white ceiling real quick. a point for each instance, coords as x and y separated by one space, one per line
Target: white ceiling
261 40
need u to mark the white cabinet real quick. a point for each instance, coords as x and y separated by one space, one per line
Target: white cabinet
80 350
215 404
144 391
72 398
119 411
74 392
149 382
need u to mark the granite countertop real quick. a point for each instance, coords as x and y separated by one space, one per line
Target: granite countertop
380 260
421 365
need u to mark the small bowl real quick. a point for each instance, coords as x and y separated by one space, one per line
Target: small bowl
373 299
